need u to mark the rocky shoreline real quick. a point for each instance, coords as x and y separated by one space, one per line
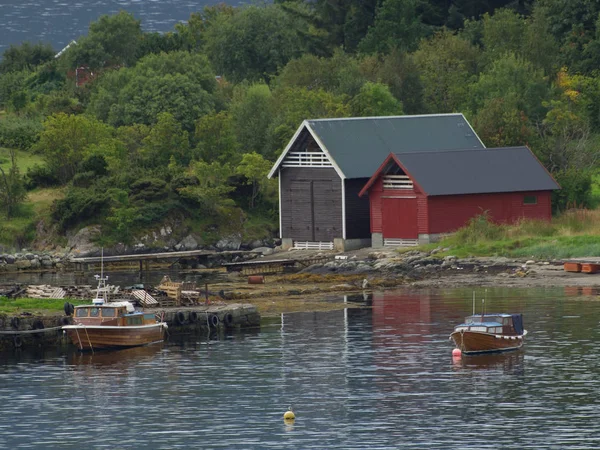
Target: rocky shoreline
417 268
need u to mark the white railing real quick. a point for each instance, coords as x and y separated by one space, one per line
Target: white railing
306 159
400 242
397 182
306 245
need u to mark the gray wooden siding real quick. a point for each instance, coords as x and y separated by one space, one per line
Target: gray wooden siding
357 210
311 204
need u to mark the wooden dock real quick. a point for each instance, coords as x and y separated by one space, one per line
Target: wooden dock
143 260
271 266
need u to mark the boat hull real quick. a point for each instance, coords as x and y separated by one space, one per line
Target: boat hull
92 337
470 342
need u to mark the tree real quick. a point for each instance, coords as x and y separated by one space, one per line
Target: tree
192 33
12 188
375 99
253 43
446 63
398 25
166 140
338 74
212 189
67 139
512 77
399 72
254 168
111 41
539 45
502 33
180 83
292 106
25 57
500 123
251 113
216 138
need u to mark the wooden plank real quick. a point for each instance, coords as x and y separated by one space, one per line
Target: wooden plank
144 298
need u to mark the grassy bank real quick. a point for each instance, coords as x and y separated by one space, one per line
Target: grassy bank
36 305
575 233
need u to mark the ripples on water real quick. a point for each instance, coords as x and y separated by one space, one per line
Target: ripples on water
59 21
380 377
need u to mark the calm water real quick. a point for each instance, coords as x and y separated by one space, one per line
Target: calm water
379 378
58 22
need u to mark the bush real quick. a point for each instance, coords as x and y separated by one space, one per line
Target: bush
79 205
575 192
19 133
40 177
480 228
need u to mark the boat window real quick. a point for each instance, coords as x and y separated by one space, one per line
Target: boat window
81 312
134 320
478 329
495 330
505 321
94 312
108 312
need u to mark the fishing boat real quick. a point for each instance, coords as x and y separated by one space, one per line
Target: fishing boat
489 333
105 324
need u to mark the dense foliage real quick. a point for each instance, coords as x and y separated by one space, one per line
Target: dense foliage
187 123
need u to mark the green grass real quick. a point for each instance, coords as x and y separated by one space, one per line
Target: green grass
35 305
24 159
573 234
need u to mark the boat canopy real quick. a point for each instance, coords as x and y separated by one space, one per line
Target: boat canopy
517 320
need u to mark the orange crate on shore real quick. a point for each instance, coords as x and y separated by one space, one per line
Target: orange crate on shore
572 267
590 268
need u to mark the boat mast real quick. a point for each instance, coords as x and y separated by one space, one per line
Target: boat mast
101 290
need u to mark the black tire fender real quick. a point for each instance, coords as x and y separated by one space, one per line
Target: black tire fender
214 320
179 318
69 309
228 319
193 317
38 325
17 341
15 322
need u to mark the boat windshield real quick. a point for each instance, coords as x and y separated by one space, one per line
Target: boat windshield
502 319
109 312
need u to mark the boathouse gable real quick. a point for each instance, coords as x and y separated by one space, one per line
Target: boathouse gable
416 197
328 161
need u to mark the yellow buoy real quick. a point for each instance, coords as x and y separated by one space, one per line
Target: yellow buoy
289 414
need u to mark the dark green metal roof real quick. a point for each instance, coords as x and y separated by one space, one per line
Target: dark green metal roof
358 146
492 170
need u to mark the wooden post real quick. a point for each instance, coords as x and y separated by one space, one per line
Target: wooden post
206 293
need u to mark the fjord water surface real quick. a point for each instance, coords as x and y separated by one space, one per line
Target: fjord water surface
377 377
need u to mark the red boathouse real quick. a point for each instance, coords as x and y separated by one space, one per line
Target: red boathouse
417 197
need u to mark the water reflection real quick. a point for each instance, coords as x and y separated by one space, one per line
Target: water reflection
129 356
510 362
380 377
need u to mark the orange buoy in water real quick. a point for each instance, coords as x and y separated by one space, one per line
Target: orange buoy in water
456 353
256 279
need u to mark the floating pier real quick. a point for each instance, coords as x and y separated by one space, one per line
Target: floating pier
28 331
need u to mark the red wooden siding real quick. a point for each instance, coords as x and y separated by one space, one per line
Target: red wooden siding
375 200
400 218
450 212
376 196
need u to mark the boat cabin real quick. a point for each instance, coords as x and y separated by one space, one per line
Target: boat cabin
505 324
115 314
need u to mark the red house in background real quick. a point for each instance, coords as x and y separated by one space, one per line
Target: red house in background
417 197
